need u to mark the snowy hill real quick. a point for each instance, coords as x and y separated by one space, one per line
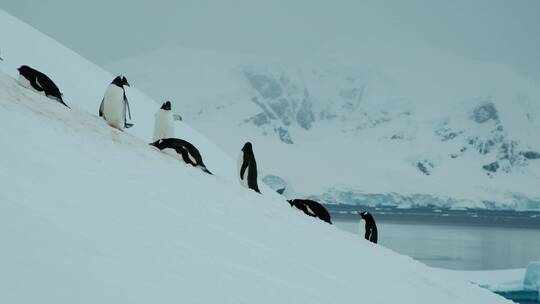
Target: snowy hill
420 127
93 215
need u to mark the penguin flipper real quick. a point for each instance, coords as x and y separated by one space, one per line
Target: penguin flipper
35 84
101 108
126 103
127 109
244 167
184 153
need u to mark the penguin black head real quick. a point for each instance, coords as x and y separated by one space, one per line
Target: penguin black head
24 70
363 214
160 144
291 202
247 147
120 81
166 106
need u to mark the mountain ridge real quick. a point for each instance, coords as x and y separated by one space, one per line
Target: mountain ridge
465 129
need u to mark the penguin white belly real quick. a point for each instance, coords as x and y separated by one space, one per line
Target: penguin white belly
310 211
172 152
26 83
114 107
164 125
361 226
192 158
243 181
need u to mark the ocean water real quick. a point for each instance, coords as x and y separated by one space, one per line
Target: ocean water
457 246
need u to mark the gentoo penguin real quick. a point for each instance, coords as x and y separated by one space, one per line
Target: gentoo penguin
311 208
371 227
248 168
115 103
164 122
182 150
39 82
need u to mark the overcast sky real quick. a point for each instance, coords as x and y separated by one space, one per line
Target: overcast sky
504 31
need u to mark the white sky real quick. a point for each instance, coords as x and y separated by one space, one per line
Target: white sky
503 31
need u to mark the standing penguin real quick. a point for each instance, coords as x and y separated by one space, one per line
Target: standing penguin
371 227
246 162
182 150
115 103
39 82
312 208
164 122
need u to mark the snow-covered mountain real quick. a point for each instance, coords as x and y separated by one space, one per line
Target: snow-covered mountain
426 128
93 215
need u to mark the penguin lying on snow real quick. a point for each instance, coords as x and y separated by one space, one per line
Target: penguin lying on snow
182 150
39 82
248 168
115 103
164 122
311 208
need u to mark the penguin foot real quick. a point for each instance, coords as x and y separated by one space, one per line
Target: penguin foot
115 127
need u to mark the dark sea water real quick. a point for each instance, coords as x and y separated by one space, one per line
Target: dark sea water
453 239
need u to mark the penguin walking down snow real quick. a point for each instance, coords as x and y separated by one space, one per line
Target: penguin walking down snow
182 150
371 228
114 104
164 122
39 82
312 208
248 168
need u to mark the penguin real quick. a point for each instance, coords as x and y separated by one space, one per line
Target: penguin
311 208
164 122
248 168
115 103
371 228
182 150
39 82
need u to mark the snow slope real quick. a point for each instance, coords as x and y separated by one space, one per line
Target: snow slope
92 215
83 83
353 127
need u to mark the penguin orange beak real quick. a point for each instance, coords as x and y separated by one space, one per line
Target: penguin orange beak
126 83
